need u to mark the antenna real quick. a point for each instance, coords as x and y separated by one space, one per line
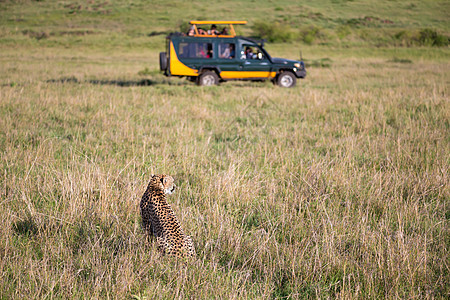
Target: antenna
301 57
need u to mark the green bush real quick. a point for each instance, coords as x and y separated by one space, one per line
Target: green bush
430 37
405 38
272 32
425 37
310 34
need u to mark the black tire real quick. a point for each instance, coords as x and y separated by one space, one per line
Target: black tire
163 61
286 79
208 78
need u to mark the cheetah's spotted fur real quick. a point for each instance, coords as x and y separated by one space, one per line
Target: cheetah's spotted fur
159 219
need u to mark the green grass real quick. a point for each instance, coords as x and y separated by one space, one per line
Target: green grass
336 188
129 24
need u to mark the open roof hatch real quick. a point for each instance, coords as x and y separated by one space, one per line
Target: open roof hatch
232 33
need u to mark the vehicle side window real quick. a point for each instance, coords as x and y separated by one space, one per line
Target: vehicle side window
195 50
227 50
251 52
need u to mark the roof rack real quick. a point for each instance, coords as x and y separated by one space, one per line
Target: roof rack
230 23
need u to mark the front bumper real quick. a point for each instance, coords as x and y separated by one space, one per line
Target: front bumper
300 73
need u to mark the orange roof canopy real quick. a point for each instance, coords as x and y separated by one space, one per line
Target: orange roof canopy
230 23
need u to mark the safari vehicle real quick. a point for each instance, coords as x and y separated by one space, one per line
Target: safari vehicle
212 57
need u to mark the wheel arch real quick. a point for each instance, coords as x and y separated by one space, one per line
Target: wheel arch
209 68
282 70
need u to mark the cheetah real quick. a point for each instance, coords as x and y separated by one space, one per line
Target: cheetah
159 220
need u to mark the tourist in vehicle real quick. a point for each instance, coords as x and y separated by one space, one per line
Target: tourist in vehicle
213 30
228 52
201 52
209 53
191 31
204 51
248 53
232 51
224 31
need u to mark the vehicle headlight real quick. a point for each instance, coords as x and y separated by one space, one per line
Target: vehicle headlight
297 65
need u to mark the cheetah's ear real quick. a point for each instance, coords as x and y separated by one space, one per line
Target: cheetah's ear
163 180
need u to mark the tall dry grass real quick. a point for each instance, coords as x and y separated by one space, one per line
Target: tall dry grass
337 188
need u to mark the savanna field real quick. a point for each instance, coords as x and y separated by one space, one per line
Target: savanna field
336 188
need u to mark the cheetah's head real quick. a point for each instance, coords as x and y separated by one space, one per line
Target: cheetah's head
166 183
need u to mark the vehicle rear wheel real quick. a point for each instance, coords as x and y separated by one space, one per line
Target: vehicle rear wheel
286 79
162 61
208 78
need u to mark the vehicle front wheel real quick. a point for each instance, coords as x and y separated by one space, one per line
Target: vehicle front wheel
208 78
286 79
